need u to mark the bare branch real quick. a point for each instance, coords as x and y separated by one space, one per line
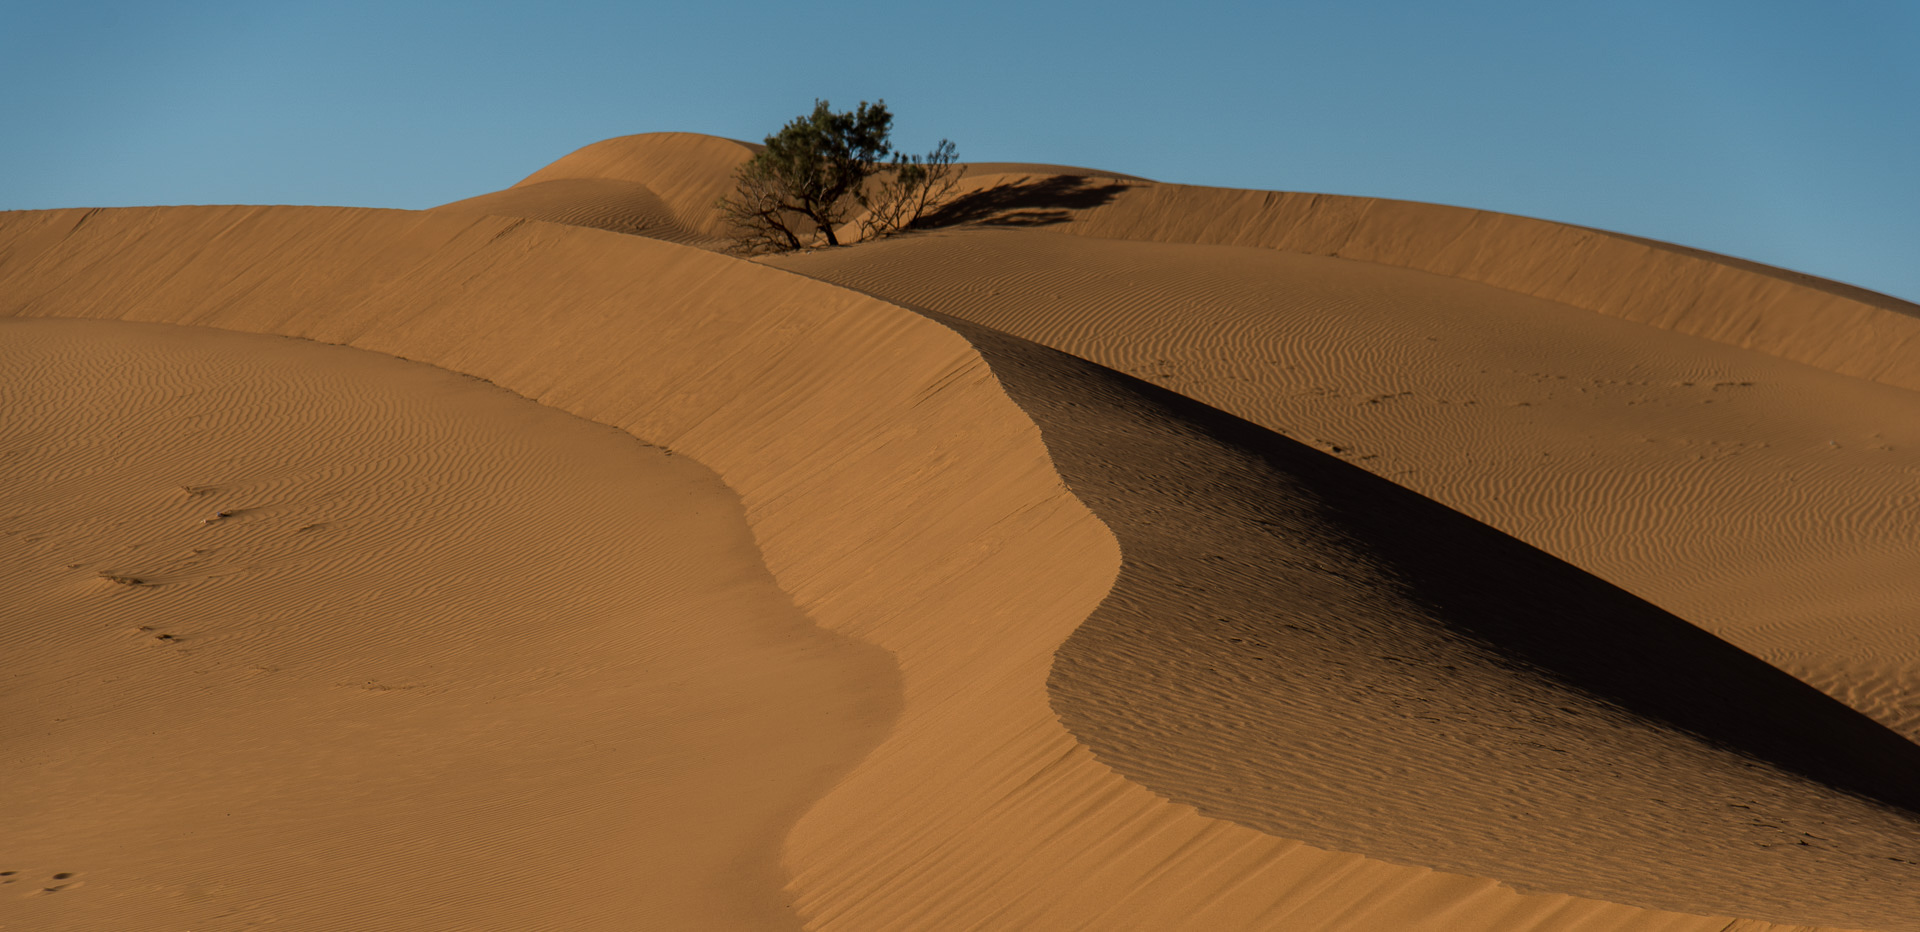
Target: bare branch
915 187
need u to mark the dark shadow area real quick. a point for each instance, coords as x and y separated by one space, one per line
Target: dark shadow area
1552 618
1025 204
1298 646
1535 613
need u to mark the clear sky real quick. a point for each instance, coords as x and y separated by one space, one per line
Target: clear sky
1784 132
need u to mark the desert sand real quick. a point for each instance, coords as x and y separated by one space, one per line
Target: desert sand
1110 555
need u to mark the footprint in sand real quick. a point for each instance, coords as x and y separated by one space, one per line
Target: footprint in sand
61 881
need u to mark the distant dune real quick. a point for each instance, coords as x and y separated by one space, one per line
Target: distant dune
1112 554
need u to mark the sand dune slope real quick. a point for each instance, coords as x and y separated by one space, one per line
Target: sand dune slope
664 185
598 203
1834 326
655 184
1297 645
1767 500
896 492
313 637
1799 317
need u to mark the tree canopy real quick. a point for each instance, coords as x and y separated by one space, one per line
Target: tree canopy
821 169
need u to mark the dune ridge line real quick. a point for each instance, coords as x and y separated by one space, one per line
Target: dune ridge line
1838 327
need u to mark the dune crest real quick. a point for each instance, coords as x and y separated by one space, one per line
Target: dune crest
662 185
1834 326
1767 501
599 203
1844 329
1299 646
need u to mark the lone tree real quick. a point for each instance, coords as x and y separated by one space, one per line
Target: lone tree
820 168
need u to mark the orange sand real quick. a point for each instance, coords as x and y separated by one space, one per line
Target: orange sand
1153 666
443 635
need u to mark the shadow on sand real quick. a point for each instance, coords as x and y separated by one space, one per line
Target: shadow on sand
1041 202
1472 586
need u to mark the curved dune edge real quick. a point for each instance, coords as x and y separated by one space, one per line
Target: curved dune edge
824 410
599 203
1838 327
428 598
1765 500
688 171
1298 646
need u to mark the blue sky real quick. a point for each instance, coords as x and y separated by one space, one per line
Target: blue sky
1787 133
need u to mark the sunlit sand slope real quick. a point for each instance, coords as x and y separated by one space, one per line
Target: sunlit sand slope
304 635
1837 327
1769 501
662 185
895 491
599 203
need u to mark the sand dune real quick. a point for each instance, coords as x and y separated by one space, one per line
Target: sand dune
664 185
659 184
1768 501
600 203
1298 646
994 513
466 650
1834 326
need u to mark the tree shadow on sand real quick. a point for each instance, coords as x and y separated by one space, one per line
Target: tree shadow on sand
1043 202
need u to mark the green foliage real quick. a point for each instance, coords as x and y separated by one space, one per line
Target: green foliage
820 167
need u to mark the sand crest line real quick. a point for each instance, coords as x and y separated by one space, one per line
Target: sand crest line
1831 325
1702 477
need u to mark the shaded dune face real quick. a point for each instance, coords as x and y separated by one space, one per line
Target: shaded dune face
1768 501
1296 645
1511 716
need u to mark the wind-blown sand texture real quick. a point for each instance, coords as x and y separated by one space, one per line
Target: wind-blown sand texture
1154 665
437 633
